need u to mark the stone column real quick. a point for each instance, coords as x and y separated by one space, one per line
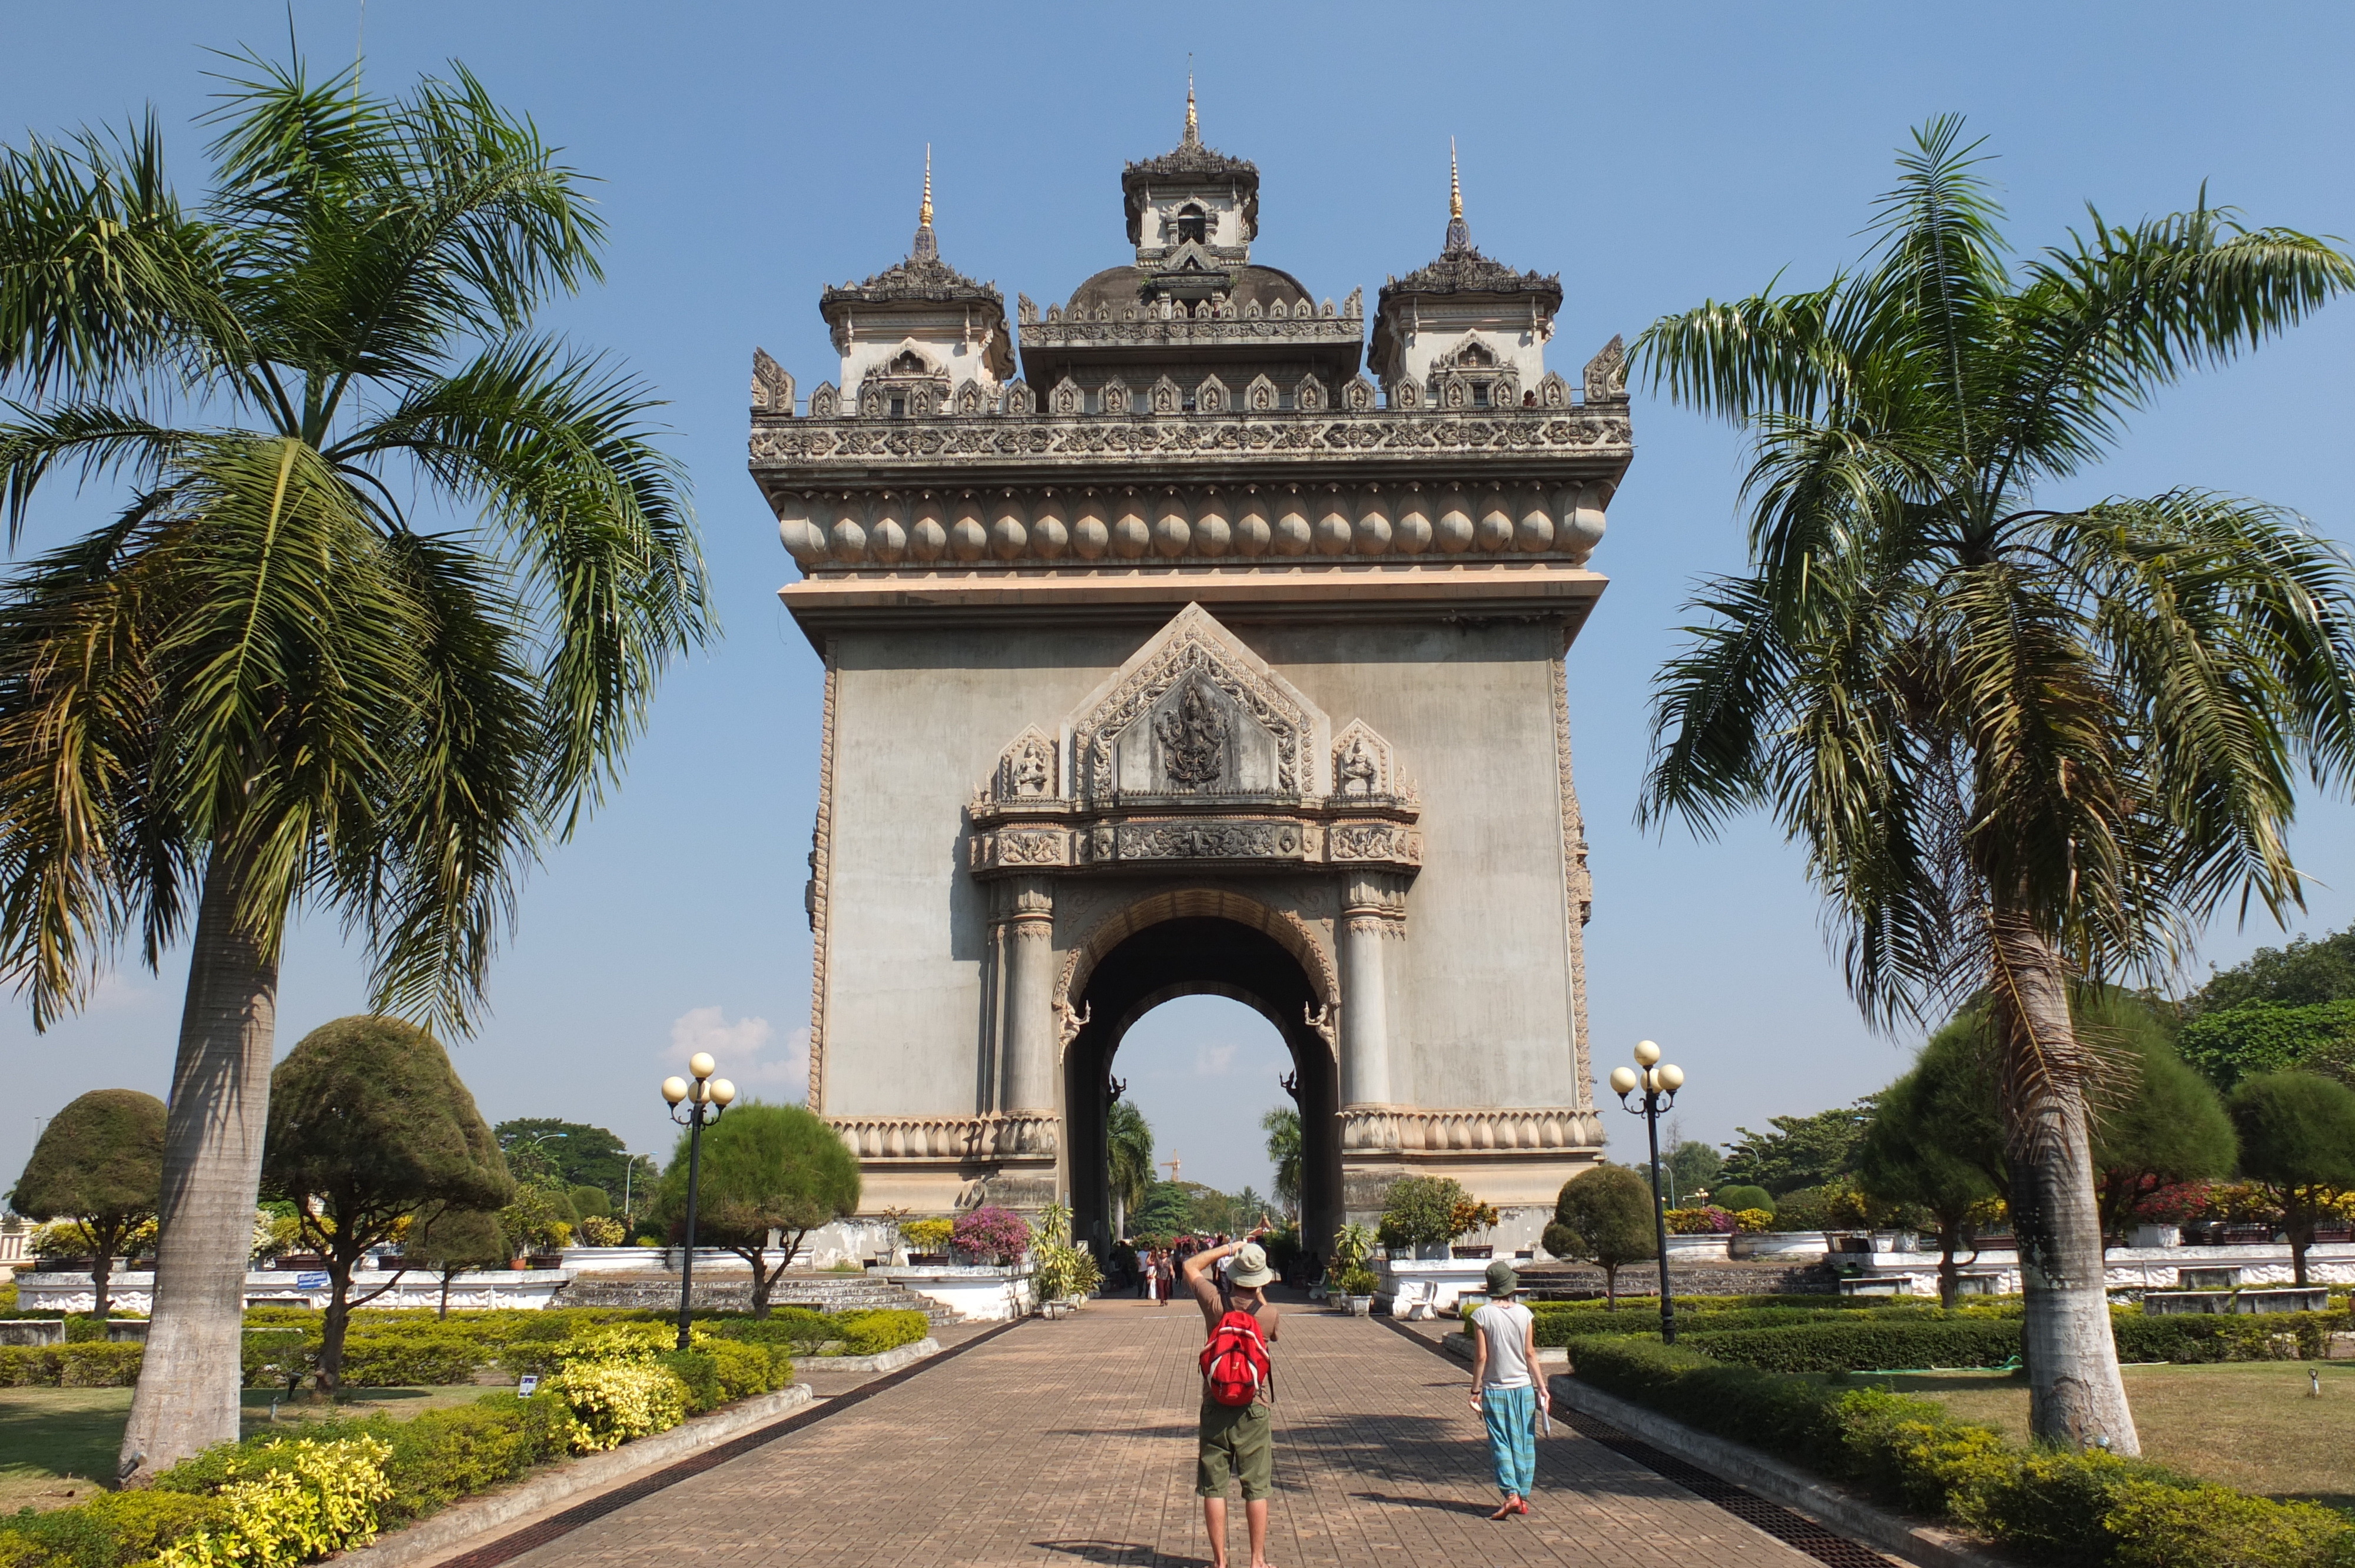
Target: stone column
1028 913
1373 913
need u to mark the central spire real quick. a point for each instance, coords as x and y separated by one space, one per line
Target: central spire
926 247
1193 122
1459 233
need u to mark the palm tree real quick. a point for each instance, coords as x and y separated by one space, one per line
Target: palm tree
2027 745
1128 1143
266 683
1282 1125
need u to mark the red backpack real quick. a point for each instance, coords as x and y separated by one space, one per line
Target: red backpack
1235 1360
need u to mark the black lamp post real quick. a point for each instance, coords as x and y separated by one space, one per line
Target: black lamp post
703 1100
1659 1081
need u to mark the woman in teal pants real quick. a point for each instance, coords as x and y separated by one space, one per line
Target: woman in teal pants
1505 1388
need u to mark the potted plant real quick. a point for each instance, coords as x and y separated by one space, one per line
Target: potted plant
1350 1279
1468 1216
1356 1288
990 1234
1419 1216
928 1240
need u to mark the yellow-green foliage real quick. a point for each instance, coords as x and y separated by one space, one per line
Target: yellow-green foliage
612 1401
928 1235
89 1364
1752 1220
307 1501
2162 1526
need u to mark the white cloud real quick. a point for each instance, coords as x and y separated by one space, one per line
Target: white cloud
766 1067
1214 1061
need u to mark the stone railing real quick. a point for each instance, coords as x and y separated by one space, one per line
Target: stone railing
1036 1134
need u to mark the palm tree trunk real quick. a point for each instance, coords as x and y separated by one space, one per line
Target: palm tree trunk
188 1396
2075 1395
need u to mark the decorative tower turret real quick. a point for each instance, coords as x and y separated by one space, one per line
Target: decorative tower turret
918 338
1465 332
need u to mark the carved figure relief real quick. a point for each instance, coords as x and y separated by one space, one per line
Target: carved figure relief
1361 764
1193 736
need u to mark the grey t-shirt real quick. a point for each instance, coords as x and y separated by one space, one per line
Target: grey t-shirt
1504 1325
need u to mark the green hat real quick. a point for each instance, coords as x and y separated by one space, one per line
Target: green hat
1502 1280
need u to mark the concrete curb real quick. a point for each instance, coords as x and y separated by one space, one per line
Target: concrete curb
465 1522
890 1361
1771 1479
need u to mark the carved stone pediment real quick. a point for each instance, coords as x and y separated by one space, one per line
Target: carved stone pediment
1195 751
1195 713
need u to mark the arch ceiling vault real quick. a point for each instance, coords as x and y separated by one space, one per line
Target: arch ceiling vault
1201 672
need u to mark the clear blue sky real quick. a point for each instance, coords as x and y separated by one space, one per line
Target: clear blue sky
1654 155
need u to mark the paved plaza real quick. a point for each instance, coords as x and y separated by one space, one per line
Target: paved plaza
1060 1445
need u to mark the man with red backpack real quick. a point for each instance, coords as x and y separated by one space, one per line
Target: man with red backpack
1237 1425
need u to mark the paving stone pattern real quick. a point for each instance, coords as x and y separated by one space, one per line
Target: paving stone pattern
1072 1442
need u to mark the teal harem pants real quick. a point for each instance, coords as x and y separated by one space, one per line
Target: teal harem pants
1512 1418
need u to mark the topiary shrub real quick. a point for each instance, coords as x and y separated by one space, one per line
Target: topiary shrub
1869 1346
1741 1196
699 1373
872 1333
1420 1211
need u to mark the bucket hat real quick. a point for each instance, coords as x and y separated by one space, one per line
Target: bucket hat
1249 1269
1502 1280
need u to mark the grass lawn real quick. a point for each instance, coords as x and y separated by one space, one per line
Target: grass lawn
53 1440
2249 1424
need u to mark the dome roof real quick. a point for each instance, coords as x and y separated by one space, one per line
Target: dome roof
1118 288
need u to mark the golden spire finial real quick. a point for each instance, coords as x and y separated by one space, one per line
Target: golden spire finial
1454 186
924 212
1193 123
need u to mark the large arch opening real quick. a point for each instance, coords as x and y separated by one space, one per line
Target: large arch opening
1241 951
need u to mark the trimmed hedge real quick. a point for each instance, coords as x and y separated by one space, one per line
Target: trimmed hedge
1869 1346
2090 1509
85 1364
1561 1328
2257 1337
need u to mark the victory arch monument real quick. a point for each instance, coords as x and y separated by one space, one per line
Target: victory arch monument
1184 637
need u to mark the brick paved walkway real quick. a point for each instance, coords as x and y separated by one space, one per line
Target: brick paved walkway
1072 1444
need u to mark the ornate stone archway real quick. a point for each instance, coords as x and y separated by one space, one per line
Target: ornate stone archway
1193 621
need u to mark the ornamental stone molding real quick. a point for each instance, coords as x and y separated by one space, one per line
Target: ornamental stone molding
1030 1136
1401 1130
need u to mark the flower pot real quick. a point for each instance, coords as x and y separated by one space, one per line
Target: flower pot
1358 1305
1461 1251
300 1262
1431 1252
544 1260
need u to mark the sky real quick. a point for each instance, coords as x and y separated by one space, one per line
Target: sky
1654 156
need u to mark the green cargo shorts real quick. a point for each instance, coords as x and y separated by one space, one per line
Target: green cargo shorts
1237 1438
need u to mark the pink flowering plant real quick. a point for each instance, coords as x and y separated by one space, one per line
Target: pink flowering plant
991 1235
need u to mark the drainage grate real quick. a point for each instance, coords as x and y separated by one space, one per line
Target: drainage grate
556 1526
1793 1530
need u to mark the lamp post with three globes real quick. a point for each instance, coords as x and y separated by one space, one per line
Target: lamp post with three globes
1659 1081
703 1099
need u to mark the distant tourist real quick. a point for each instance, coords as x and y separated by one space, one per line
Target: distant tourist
1237 1429
1505 1388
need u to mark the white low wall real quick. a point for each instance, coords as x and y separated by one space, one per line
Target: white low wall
978 1294
1406 1286
135 1293
2131 1268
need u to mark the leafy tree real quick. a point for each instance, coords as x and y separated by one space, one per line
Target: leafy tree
2163 1123
2297 1136
267 682
589 1203
369 1127
1245 1210
537 1219
1801 1150
1905 1159
2024 746
767 1169
1420 1211
1693 1167
2267 1036
1129 1150
1604 1216
1168 1210
2304 972
1282 1125
575 1153
99 1165
453 1241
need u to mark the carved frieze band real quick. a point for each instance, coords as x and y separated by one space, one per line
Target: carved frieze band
1406 1130
1274 841
1036 1135
951 438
